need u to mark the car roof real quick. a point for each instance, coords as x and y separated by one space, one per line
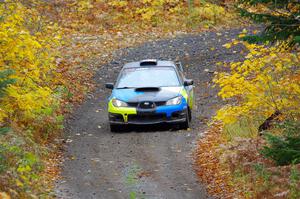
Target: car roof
149 63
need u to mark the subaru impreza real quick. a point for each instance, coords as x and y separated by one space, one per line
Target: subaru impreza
150 92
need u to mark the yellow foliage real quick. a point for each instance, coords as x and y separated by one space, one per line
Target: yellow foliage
29 103
211 12
118 4
84 5
28 52
267 81
208 14
150 10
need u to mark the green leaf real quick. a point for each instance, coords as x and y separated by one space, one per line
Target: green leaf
297 39
4 130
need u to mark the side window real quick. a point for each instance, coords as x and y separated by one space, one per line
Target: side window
179 66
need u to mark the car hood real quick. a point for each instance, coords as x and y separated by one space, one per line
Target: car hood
131 95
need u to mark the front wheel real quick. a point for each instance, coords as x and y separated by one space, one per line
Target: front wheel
185 125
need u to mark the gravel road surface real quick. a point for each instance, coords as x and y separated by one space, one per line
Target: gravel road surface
145 162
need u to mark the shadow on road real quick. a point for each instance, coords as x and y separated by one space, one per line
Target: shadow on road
149 128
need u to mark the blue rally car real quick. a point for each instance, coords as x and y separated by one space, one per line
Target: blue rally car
150 92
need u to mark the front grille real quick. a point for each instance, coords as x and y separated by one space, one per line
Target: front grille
133 104
146 118
136 104
162 103
146 105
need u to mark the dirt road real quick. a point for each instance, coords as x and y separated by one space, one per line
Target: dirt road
146 162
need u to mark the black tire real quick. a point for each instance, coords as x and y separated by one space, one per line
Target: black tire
185 125
190 114
115 128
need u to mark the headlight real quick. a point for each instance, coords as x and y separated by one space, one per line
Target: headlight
174 101
119 103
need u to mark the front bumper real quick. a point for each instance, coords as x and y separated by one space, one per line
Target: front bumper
148 118
146 115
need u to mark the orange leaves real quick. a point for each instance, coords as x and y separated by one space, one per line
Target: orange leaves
236 169
4 195
208 165
168 15
76 85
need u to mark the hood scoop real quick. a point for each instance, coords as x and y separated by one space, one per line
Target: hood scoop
147 89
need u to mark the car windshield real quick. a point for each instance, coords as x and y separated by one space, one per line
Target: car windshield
148 77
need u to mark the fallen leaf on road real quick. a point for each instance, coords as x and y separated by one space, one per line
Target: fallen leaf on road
95 159
69 141
143 174
72 157
228 45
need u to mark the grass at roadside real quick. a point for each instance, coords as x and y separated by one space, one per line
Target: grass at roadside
244 128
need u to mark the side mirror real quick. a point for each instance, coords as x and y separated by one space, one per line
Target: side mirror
109 85
188 82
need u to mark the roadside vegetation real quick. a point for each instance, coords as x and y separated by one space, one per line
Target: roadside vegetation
257 153
49 51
